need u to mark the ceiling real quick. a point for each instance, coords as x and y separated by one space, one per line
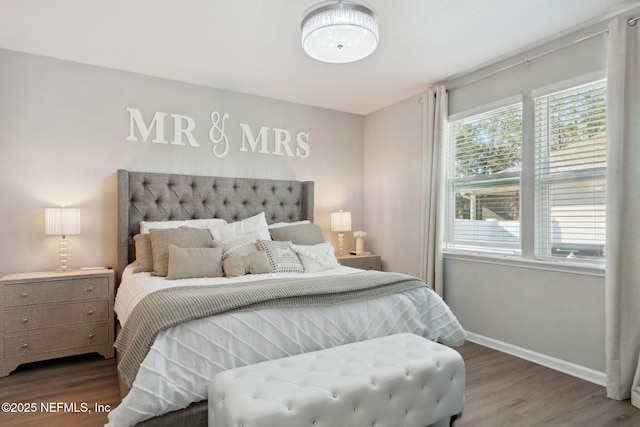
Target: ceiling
253 46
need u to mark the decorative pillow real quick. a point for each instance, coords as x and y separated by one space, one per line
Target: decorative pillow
186 263
238 246
145 226
258 262
144 257
254 263
299 234
233 266
281 257
286 224
255 225
316 257
183 237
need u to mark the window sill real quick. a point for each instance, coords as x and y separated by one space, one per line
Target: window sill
511 261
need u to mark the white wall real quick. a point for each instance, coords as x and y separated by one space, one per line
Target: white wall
63 135
392 189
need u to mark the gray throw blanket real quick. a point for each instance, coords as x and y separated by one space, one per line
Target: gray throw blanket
168 307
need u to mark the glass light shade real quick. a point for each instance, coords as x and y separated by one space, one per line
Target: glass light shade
62 221
340 32
341 221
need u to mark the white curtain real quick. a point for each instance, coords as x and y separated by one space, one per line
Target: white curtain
434 104
623 212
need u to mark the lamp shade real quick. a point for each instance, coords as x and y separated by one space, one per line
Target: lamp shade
62 221
341 221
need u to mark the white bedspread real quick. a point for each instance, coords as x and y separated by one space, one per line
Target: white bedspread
184 358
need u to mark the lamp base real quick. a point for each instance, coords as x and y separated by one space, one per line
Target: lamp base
340 242
63 254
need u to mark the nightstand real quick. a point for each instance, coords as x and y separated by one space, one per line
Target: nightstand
50 314
365 262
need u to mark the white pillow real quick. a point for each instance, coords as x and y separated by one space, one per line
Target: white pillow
255 225
238 246
286 224
316 257
282 258
145 226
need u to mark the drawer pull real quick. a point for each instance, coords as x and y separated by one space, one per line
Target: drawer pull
25 320
90 289
24 294
90 313
25 345
90 336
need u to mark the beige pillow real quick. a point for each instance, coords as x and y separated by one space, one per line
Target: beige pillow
254 263
145 226
182 237
186 263
258 263
144 257
233 266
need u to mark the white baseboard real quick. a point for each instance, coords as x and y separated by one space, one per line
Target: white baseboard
560 365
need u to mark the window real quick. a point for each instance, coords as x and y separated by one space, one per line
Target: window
565 185
570 172
483 181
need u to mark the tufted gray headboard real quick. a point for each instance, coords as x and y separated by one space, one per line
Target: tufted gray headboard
158 196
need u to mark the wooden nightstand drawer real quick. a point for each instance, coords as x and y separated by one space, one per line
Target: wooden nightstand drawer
71 289
364 262
49 316
54 340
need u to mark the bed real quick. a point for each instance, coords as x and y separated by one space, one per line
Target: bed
165 370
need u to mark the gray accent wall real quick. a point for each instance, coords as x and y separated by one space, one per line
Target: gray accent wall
546 310
551 313
63 135
392 176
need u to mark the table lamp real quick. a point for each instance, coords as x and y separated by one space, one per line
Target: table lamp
341 222
62 222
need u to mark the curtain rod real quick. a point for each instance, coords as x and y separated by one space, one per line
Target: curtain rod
527 61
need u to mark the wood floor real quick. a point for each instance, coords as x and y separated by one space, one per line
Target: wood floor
501 391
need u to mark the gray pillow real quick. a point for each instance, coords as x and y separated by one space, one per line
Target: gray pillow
299 234
186 263
182 237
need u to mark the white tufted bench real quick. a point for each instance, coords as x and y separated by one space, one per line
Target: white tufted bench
393 381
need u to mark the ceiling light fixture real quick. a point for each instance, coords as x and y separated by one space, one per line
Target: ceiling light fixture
339 32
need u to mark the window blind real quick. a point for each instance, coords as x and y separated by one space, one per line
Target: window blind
483 181
570 173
